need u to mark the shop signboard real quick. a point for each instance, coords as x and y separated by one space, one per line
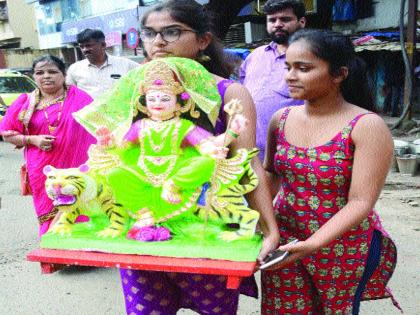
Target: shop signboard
121 21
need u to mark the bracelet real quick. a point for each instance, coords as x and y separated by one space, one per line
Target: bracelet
25 141
231 133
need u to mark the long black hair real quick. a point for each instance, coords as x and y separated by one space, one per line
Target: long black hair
338 51
193 14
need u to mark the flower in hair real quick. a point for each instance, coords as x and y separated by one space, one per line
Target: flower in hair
158 82
185 96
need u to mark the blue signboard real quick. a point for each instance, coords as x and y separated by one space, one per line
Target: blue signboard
120 21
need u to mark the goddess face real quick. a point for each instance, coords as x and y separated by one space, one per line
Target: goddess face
161 105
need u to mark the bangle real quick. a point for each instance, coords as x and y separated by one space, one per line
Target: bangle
23 141
231 133
26 138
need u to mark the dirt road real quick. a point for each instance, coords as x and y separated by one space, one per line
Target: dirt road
23 290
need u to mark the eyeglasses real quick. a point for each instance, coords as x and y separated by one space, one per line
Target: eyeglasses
169 35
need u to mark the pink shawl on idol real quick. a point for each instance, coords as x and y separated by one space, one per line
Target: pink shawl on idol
69 148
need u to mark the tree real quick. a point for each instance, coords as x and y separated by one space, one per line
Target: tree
223 14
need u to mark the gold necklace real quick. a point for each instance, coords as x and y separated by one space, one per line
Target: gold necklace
60 101
44 104
161 129
157 179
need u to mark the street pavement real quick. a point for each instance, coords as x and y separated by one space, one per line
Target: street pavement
23 290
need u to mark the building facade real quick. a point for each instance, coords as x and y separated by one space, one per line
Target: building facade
15 36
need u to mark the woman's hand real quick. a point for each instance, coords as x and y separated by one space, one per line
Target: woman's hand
270 243
43 142
296 251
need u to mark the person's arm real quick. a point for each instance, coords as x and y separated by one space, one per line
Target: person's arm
372 159
242 71
270 150
17 139
260 198
40 141
70 79
132 64
11 128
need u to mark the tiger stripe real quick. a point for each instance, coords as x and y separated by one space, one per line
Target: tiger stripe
235 211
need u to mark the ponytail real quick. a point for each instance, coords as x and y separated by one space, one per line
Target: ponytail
355 88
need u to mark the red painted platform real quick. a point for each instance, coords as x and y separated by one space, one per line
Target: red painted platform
53 259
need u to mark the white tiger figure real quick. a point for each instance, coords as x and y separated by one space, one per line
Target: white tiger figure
75 191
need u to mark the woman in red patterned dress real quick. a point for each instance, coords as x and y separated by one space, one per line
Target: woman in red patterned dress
328 160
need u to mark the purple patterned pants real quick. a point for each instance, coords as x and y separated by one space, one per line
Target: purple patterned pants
161 293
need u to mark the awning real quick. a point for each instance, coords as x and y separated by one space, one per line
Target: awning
390 46
12 41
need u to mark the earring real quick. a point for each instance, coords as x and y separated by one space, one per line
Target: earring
189 106
202 57
177 111
142 108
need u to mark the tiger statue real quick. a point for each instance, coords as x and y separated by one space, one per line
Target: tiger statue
225 200
82 190
77 191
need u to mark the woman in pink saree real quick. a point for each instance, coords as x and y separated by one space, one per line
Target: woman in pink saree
42 124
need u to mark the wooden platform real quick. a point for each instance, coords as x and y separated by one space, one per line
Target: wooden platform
52 260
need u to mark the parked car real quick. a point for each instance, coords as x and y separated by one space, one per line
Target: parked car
12 84
26 71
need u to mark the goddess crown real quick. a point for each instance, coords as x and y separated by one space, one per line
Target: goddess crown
161 77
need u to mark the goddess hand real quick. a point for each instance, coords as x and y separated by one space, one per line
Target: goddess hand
219 152
104 137
238 123
43 142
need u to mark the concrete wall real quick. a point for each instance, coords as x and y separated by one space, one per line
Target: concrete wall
6 31
386 15
22 23
23 58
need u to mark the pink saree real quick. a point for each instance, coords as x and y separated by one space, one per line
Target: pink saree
69 148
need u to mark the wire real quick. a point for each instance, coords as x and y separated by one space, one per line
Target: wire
408 69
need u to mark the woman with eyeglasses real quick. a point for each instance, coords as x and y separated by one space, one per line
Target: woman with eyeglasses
181 28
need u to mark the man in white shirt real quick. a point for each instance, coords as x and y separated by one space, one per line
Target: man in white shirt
99 71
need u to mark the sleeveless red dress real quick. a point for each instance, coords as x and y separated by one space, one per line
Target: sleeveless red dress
315 186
